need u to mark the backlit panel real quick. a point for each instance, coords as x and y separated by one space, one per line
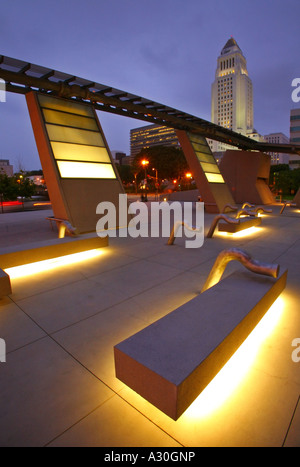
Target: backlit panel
206 159
48 102
75 139
77 165
76 121
69 151
73 135
71 169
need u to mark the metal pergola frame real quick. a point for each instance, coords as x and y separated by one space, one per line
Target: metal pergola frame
22 77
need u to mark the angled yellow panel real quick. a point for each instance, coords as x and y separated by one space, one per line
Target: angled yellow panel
214 178
79 152
210 168
78 168
73 135
67 119
50 102
70 169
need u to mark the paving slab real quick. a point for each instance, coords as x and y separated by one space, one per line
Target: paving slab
58 386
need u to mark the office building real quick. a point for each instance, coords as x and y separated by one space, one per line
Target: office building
120 157
6 168
149 136
295 136
277 138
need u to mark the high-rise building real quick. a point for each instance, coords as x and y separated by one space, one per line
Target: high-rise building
149 136
232 95
295 136
6 168
277 138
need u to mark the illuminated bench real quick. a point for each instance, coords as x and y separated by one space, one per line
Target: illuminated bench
20 255
5 286
244 223
40 251
233 225
170 362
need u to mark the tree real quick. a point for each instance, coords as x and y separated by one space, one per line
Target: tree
284 180
26 187
169 161
18 185
8 187
126 173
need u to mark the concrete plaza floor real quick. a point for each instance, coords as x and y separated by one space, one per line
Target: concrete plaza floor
58 387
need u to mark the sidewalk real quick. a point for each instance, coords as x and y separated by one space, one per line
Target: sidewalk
58 388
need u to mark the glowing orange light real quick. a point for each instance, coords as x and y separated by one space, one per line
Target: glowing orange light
227 382
41 204
50 264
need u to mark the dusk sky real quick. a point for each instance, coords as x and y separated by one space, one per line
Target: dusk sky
164 50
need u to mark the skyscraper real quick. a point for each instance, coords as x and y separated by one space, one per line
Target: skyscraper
295 136
232 95
149 136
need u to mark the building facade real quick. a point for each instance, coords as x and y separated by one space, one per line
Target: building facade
278 138
295 136
149 136
6 168
232 94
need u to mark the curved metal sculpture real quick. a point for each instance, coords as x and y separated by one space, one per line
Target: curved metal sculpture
65 226
287 203
229 206
243 257
248 205
176 227
258 209
251 210
245 212
229 220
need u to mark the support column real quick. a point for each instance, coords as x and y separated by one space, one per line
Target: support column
209 180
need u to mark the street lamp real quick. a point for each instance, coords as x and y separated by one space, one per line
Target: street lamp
156 184
189 177
144 164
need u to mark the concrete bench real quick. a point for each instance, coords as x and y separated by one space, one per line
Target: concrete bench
231 224
170 362
244 223
20 255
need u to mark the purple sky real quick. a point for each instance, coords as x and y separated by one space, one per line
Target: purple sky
164 50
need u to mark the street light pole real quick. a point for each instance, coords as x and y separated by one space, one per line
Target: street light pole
156 185
145 163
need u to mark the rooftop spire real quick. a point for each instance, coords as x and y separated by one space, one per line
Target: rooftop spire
230 46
